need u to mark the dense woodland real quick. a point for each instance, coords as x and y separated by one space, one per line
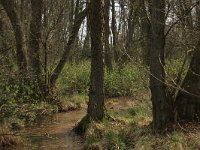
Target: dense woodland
63 55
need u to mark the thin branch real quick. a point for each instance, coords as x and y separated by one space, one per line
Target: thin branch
186 13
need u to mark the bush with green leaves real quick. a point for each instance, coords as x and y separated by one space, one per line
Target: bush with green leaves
18 101
125 81
74 79
119 82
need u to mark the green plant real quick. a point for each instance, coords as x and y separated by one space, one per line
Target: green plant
74 79
123 82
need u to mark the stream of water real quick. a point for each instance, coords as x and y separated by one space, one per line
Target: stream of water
55 133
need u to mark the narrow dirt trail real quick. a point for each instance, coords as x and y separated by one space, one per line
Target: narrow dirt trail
55 133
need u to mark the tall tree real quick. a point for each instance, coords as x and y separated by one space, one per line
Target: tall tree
21 50
114 32
161 108
108 55
95 111
145 31
86 45
35 38
131 23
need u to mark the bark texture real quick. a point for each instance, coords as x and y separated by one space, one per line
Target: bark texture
96 94
145 32
35 37
161 108
95 111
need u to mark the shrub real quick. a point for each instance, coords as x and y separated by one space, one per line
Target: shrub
17 102
74 79
124 82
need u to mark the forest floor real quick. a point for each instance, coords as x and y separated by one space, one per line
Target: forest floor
56 132
127 127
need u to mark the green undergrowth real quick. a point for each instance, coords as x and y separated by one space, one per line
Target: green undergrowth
119 82
74 79
130 128
21 107
16 116
17 103
124 81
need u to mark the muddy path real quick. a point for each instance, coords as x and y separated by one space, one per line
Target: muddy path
55 133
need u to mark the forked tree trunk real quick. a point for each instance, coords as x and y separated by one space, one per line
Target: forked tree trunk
95 111
161 108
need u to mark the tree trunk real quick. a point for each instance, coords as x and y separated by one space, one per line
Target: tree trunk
145 32
86 47
108 55
130 32
161 108
114 32
35 38
95 110
96 95
9 6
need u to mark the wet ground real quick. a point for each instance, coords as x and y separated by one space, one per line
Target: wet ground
55 133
